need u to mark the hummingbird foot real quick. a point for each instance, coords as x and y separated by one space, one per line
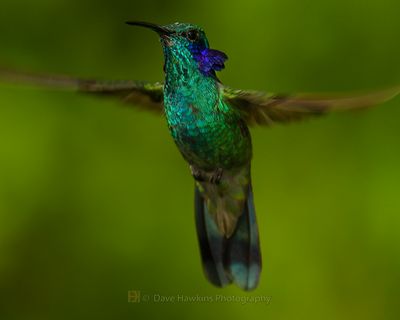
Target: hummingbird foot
213 177
216 176
198 174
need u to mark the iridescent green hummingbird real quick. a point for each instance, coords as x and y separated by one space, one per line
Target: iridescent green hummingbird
209 124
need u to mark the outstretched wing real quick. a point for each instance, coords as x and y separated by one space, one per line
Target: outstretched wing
139 94
266 109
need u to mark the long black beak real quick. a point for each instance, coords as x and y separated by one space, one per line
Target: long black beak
155 27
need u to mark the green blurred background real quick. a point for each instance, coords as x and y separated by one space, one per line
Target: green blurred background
95 200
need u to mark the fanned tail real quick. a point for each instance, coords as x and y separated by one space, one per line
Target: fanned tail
235 259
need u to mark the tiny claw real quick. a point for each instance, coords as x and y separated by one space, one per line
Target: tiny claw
197 174
216 176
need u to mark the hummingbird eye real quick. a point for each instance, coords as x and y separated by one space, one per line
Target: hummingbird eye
192 35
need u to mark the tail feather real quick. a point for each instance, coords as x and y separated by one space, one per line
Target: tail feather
244 248
236 258
212 244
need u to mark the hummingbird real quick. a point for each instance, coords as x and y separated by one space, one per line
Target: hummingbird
209 123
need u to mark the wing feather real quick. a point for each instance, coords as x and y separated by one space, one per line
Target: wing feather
267 109
140 94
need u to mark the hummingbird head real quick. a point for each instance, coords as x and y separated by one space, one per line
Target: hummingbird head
187 44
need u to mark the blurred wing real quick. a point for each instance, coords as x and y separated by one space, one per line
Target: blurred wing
266 109
144 95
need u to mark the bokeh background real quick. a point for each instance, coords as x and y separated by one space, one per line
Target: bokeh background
95 200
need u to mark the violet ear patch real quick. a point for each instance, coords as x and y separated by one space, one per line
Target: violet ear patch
210 60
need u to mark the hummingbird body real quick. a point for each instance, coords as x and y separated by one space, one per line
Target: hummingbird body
215 141
208 132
